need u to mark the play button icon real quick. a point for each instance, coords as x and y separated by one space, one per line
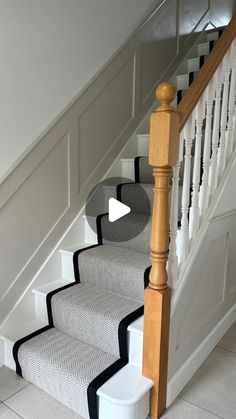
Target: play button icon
116 210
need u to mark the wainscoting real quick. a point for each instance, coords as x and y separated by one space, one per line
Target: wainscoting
42 195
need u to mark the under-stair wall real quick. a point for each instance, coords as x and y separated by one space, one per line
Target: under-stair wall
204 304
43 194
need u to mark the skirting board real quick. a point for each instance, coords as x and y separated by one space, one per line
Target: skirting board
185 373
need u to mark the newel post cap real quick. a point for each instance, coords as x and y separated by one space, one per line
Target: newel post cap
165 93
164 129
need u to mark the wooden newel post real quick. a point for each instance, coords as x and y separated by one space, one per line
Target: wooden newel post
163 154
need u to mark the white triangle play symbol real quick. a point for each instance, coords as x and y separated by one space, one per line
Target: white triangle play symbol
116 209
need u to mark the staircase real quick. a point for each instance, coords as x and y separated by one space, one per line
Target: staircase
84 346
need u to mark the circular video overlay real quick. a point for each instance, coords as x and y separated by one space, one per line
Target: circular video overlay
118 209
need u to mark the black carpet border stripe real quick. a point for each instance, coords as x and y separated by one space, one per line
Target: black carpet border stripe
19 342
122 331
75 260
99 227
136 178
116 366
191 77
146 276
136 169
202 59
49 300
119 189
211 45
98 382
179 96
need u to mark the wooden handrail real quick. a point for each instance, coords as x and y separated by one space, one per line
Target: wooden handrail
194 92
163 154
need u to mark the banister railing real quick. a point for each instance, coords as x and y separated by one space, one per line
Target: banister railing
196 139
199 84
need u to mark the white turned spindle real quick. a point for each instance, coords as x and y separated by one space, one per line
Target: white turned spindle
189 131
194 209
174 210
221 158
231 108
213 181
203 162
204 188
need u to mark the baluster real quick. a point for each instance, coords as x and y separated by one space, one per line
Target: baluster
231 108
189 130
221 158
213 181
194 209
174 211
204 188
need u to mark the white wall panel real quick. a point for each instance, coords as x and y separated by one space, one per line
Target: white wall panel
207 293
105 119
30 214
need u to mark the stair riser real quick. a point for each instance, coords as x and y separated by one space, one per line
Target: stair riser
182 82
90 233
212 36
143 143
203 49
193 64
8 358
41 308
128 168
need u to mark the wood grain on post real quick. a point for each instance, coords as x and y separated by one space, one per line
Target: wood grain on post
163 154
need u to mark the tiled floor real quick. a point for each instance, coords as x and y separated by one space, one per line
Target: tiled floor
211 393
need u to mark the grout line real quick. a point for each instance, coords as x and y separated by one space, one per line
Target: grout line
227 350
200 407
16 392
13 411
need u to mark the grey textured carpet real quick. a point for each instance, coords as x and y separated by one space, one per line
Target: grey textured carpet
85 342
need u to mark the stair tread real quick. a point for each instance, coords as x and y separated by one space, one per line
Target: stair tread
118 270
22 330
92 314
72 249
62 369
50 286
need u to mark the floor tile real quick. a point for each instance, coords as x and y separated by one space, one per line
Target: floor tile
183 410
32 403
229 340
6 413
213 387
10 383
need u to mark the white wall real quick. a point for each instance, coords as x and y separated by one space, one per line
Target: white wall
49 51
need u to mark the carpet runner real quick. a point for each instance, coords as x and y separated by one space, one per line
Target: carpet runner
85 342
